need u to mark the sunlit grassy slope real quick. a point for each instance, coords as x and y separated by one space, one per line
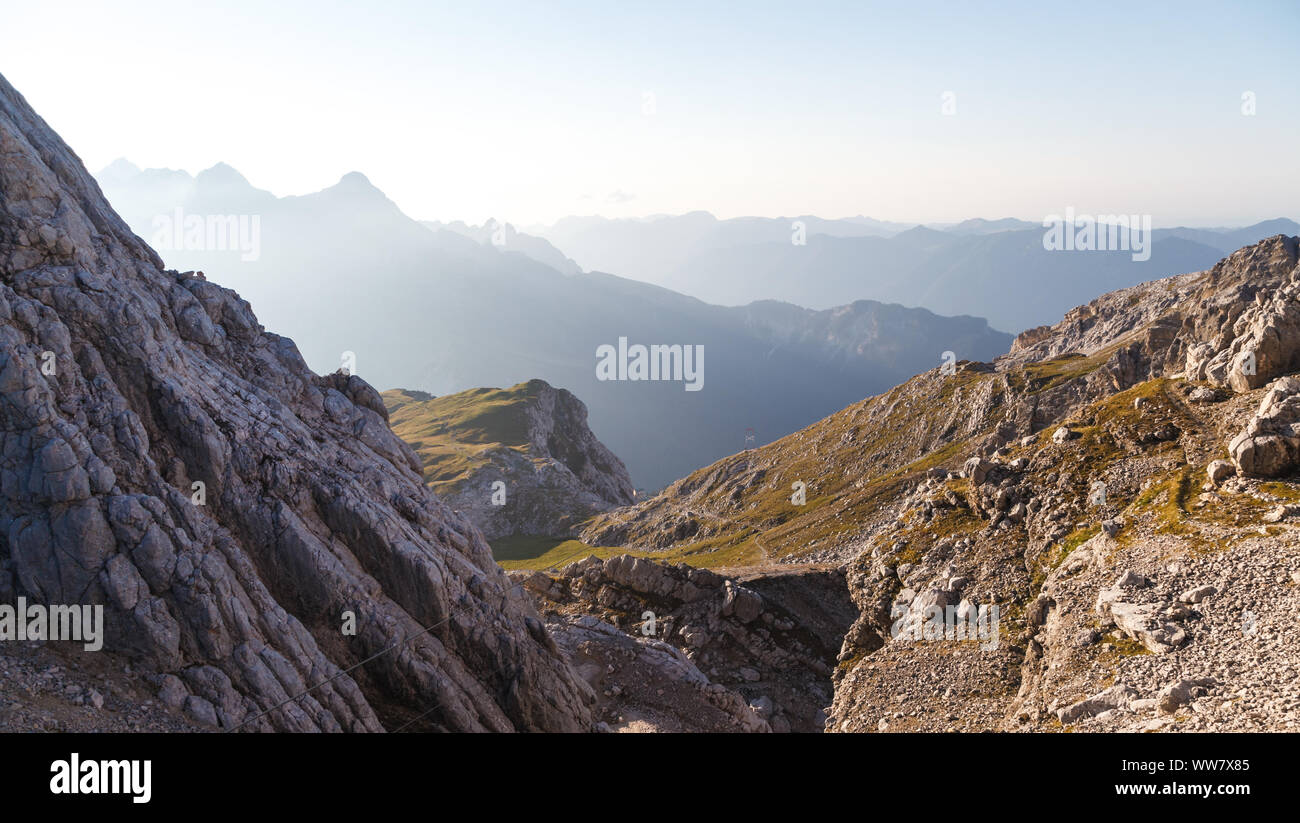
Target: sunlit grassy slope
452 434
552 553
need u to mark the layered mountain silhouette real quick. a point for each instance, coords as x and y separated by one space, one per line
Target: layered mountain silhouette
996 269
648 249
507 237
356 283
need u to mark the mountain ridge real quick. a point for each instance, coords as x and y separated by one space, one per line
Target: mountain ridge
965 268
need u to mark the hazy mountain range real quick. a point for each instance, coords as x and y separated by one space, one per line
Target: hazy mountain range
507 238
356 283
997 269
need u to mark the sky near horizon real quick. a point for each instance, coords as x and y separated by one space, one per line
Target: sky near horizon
528 112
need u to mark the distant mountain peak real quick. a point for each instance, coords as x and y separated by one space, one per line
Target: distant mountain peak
919 232
119 169
355 180
980 225
222 174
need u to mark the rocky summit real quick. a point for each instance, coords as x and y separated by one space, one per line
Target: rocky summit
165 457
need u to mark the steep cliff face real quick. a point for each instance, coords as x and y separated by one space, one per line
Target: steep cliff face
516 461
163 455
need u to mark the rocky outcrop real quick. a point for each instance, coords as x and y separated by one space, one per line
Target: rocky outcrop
517 461
164 456
770 635
1269 446
1235 326
1154 625
1027 486
1250 333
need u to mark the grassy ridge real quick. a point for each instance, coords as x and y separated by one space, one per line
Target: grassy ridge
526 552
453 434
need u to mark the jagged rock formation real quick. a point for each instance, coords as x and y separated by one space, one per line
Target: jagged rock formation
517 461
768 634
1127 599
1248 332
125 387
1234 326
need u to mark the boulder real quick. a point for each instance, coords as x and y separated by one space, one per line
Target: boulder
1180 693
977 469
1116 697
1279 513
1269 445
1131 579
1144 624
1219 471
1198 594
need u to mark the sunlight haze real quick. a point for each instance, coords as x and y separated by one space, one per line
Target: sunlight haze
530 112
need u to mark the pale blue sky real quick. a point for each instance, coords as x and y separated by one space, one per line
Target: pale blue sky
531 111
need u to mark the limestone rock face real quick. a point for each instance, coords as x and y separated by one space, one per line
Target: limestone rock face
163 455
1258 337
